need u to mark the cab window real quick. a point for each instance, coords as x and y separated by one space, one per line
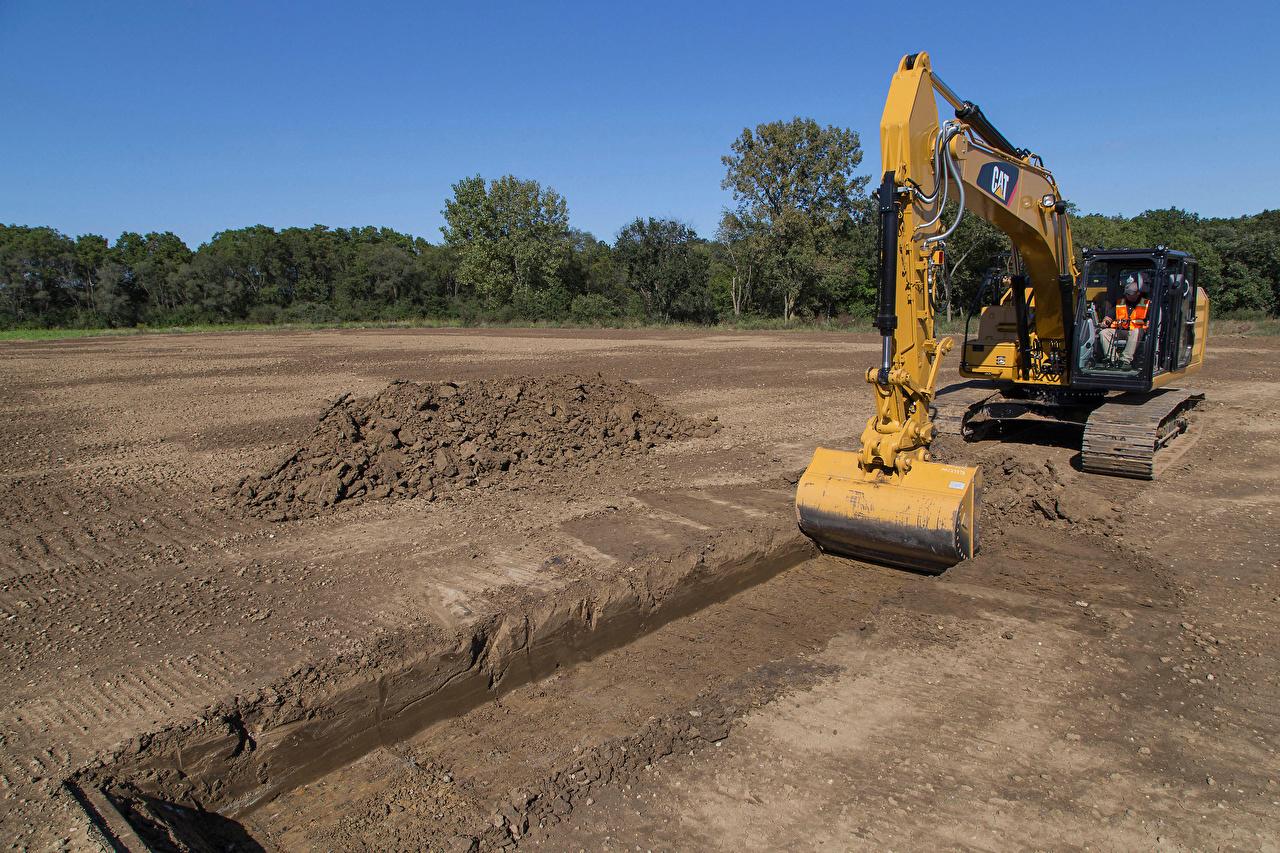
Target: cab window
1114 339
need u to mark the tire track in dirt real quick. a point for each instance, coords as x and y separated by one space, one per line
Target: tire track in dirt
140 696
65 545
72 523
67 530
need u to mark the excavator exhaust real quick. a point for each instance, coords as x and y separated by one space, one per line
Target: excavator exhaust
923 520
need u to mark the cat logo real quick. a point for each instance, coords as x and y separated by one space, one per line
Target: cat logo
998 179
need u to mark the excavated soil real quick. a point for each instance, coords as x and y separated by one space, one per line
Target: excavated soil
628 650
414 440
1033 489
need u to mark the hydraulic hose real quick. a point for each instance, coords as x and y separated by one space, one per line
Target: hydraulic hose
941 171
972 113
955 171
937 180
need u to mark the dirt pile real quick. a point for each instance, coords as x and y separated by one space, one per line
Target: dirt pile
415 440
1019 488
1018 485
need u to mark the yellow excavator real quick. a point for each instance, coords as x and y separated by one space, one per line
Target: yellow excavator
1099 348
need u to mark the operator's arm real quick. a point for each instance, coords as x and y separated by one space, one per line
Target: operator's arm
1109 320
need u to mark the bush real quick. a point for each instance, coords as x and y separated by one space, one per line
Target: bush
309 312
266 315
593 308
634 310
397 312
186 315
469 312
81 318
549 304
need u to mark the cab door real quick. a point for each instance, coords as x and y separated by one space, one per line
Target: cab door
1167 303
1185 294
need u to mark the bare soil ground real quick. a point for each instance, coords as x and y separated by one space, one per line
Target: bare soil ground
1102 675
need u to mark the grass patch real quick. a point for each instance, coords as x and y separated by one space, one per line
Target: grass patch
743 325
205 328
1248 324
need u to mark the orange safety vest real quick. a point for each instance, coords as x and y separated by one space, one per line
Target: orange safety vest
1139 318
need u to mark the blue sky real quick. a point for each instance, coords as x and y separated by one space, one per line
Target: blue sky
195 117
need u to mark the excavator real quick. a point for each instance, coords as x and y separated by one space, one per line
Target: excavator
1104 347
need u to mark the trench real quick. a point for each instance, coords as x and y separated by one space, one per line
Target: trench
203 784
603 718
522 762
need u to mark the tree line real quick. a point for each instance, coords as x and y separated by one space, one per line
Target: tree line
798 243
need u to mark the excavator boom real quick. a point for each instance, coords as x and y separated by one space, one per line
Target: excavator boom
888 502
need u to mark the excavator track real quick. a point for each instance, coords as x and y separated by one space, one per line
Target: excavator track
1129 436
953 407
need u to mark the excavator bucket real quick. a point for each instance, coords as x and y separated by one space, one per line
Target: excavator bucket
923 520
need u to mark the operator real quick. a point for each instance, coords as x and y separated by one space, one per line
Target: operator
1131 316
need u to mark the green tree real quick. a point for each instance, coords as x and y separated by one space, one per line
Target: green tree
391 273
252 269
660 261
37 272
91 252
1258 248
440 274
115 301
794 182
313 262
746 247
590 266
155 266
512 238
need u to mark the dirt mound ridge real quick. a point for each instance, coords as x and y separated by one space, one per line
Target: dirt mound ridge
1020 486
1017 487
415 440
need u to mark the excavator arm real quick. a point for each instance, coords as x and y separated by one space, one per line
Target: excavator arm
889 502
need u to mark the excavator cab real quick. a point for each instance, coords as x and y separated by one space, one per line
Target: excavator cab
1130 345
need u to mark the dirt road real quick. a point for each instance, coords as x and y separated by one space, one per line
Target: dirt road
1102 674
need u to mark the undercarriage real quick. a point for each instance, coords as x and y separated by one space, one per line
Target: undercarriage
1123 434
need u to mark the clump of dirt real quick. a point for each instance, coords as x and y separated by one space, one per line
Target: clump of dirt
1021 488
414 440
